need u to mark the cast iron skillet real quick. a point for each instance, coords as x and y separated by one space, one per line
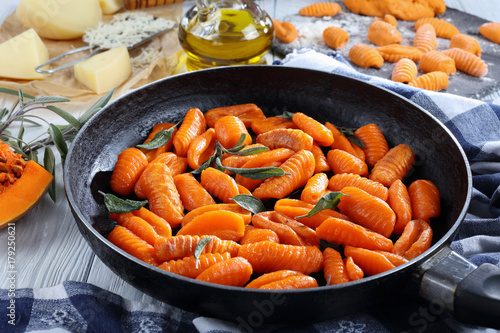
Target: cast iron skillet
341 100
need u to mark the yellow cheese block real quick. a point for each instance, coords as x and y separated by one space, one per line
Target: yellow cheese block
111 6
105 70
21 54
56 19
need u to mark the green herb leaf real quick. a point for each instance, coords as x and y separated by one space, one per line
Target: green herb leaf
237 147
33 155
206 164
96 107
254 173
118 205
349 133
48 99
287 115
29 121
20 134
66 116
58 138
199 249
49 163
328 201
250 151
21 97
161 138
3 112
17 148
250 203
14 92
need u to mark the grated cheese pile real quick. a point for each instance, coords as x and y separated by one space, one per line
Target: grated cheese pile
146 58
127 29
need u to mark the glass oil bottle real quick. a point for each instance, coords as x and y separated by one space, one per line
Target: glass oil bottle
223 32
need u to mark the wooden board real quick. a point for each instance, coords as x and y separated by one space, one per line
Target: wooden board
310 31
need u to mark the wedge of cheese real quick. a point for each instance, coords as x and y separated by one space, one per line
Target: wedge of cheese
21 54
61 20
111 6
105 70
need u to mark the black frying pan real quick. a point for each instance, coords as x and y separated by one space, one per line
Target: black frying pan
327 97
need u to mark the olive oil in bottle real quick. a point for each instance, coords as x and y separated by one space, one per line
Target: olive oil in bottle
225 33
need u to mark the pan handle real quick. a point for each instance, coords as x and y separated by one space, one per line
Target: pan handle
94 49
472 293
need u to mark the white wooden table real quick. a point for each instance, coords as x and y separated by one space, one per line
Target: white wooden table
49 247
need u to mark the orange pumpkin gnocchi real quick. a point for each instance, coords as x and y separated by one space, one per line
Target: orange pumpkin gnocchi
365 56
335 37
371 221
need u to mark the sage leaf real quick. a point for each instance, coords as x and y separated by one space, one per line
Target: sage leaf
33 155
29 121
118 205
17 148
328 201
199 249
96 107
160 138
21 97
250 203
254 173
14 92
20 134
59 142
3 112
49 163
66 116
349 133
287 115
237 147
48 99
250 151
206 164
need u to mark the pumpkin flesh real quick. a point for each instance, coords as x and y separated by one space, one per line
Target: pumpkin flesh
17 199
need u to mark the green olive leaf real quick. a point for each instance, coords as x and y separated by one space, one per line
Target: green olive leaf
199 249
287 115
249 202
161 138
328 201
118 205
254 173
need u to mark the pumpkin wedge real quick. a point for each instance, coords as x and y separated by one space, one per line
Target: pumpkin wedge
17 198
